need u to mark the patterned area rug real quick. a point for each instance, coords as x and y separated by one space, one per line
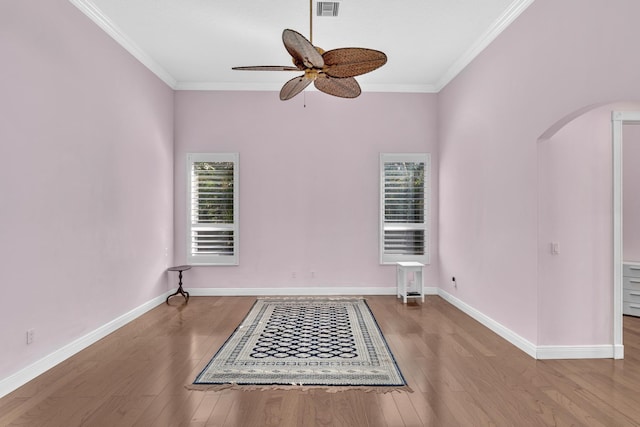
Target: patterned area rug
331 342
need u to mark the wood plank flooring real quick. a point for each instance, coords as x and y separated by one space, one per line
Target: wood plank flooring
462 374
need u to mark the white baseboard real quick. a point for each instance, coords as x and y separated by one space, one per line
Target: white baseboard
542 352
496 327
545 352
11 383
348 290
618 351
25 375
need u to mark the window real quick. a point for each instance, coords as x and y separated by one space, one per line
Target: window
404 207
212 198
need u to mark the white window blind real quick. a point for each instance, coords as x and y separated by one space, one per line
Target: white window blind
212 237
404 203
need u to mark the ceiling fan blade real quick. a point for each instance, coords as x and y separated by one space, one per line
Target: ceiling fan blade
303 53
344 88
352 61
294 87
266 68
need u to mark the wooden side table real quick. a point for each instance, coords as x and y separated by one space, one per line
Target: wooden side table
402 272
179 269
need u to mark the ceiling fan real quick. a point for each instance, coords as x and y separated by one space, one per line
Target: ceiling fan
332 72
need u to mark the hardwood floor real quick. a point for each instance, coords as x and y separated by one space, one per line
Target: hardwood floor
462 374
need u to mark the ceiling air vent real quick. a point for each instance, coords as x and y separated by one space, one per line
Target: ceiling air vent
328 8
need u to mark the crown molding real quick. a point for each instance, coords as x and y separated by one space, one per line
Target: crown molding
404 88
515 9
92 12
275 87
96 15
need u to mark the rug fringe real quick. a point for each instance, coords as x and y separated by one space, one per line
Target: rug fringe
303 388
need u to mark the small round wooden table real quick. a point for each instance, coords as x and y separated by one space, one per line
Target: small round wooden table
179 269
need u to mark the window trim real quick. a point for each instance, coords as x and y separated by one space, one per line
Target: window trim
387 259
214 259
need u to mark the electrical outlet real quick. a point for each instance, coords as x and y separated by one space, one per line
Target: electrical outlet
455 284
30 335
293 274
313 274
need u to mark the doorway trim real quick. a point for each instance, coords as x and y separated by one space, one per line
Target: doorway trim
618 119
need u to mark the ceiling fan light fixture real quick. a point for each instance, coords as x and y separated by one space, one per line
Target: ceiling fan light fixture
327 8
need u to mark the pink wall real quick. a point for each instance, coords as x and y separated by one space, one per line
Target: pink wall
86 179
309 184
631 195
555 59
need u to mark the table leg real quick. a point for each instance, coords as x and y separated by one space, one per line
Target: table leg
180 290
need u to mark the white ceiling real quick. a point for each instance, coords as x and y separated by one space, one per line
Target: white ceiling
192 44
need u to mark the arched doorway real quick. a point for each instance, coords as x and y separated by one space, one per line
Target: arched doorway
579 228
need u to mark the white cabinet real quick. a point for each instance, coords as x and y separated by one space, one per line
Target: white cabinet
631 291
